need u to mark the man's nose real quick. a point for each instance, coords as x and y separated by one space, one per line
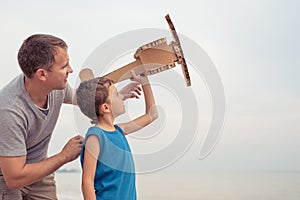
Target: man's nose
70 70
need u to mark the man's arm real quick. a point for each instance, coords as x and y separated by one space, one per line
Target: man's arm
70 95
18 174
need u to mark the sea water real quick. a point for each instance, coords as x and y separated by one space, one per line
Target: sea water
204 185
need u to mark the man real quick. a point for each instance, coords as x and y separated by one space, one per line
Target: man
29 108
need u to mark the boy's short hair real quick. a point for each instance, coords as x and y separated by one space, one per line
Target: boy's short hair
91 94
38 52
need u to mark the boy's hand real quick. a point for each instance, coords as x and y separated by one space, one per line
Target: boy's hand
132 90
141 79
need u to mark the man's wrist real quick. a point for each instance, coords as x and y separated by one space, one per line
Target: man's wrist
62 158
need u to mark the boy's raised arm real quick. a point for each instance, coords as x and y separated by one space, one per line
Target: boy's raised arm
150 112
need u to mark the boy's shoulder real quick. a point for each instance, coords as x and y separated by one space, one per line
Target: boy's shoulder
101 133
94 130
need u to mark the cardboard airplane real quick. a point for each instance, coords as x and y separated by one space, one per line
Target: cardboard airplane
151 58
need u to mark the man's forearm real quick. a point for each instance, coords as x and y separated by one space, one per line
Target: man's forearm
27 174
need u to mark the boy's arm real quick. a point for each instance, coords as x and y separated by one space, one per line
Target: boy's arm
150 112
91 153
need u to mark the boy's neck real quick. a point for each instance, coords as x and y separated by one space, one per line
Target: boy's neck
106 123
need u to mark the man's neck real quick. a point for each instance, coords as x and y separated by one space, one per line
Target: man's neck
36 92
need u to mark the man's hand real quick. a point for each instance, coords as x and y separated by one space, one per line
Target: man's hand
132 90
72 149
17 173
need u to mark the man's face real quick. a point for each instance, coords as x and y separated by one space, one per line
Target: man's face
58 73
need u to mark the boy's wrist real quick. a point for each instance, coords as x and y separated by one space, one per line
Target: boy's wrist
144 80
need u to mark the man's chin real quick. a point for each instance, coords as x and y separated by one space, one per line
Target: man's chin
61 88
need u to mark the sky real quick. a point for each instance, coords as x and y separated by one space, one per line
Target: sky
252 44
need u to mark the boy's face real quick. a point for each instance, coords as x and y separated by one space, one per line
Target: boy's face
115 100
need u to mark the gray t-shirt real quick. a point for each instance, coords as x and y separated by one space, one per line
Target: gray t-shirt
24 129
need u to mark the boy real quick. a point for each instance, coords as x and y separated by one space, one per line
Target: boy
108 168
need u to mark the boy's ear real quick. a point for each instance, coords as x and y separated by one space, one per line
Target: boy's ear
104 108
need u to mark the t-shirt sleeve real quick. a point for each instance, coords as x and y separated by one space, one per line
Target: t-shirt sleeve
13 134
69 94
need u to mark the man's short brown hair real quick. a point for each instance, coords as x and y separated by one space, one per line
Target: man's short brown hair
38 51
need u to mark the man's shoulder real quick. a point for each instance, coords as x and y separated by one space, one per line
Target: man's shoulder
11 92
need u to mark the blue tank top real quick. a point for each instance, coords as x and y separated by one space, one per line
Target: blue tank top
115 173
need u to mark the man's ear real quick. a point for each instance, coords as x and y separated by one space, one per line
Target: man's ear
40 74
